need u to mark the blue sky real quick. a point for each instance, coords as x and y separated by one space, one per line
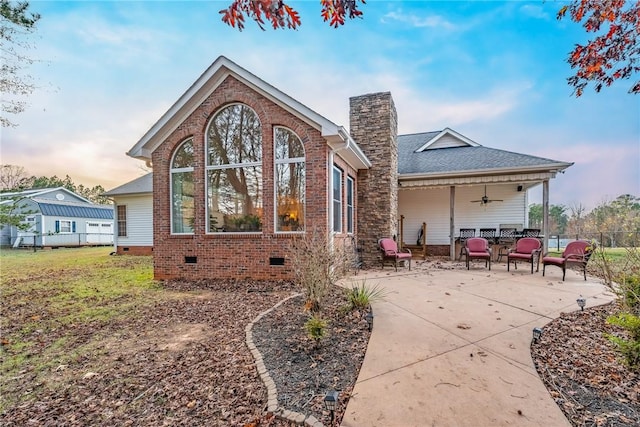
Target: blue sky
493 71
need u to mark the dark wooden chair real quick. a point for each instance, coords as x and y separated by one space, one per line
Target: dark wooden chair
576 254
478 248
488 233
527 249
389 251
506 239
530 232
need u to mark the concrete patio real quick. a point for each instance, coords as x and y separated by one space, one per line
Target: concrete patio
451 347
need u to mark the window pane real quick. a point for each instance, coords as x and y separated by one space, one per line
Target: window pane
122 220
184 156
234 137
350 205
337 200
235 199
290 197
287 144
182 203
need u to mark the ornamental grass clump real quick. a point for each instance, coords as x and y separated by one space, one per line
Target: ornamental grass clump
361 295
316 328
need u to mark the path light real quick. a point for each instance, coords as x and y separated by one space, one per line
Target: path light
331 402
537 333
369 318
581 302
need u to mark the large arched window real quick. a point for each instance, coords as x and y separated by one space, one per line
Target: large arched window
182 201
234 170
289 180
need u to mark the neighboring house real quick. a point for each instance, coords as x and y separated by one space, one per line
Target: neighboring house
240 170
133 212
58 217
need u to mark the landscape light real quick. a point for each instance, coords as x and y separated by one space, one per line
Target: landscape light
537 333
331 402
369 318
581 302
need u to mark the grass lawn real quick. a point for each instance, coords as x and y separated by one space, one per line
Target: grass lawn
50 290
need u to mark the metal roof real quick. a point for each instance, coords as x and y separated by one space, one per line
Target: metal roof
75 211
462 159
141 185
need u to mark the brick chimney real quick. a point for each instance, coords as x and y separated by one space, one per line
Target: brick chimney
374 126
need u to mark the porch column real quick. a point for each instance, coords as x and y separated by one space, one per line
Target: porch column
452 222
545 215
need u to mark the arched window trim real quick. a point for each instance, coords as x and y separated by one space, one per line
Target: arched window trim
209 167
173 171
285 161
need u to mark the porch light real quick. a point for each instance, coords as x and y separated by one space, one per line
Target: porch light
537 333
369 318
331 402
581 302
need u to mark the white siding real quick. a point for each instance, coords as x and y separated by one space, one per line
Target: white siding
448 141
432 206
139 220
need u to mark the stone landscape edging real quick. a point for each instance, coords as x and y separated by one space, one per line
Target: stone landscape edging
272 390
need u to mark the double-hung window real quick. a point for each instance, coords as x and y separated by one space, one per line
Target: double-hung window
234 171
182 190
337 199
121 213
289 180
350 195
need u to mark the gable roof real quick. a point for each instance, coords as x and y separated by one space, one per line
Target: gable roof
37 192
337 137
140 185
51 208
417 160
446 138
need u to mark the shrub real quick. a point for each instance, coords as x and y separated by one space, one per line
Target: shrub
317 264
360 296
316 328
630 348
623 278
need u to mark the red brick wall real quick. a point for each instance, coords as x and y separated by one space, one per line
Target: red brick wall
134 250
227 255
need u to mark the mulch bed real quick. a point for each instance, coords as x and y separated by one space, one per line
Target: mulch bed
184 362
583 372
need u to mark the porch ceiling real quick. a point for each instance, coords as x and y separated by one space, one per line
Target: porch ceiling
444 181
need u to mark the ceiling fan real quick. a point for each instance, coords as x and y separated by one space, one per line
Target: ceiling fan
484 200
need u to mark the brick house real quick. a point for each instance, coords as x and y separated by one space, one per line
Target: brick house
240 169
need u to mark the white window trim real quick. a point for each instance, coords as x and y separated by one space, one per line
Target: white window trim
208 168
351 183
333 215
70 226
171 172
286 161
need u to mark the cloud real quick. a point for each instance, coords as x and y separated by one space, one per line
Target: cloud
534 11
413 20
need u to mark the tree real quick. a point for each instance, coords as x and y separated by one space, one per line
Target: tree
14 213
281 15
614 53
557 217
12 177
15 23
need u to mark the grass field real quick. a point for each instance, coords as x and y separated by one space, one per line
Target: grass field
47 291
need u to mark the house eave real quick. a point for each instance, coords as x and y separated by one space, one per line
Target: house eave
483 176
204 86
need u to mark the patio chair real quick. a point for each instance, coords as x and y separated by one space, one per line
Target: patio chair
465 233
478 248
389 250
506 239
527 249
577 253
